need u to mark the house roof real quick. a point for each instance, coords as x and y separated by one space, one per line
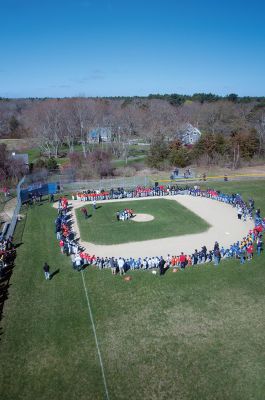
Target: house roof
102 131
188 129
21 157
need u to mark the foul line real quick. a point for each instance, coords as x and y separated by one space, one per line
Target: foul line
96 339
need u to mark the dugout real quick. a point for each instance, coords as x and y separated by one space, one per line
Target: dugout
37 189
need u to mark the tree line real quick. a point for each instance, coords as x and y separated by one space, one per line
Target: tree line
211 149
233 127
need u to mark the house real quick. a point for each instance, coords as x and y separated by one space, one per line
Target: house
189 134
22 158
99 135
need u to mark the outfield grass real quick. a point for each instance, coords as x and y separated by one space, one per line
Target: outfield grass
196 334
170 219
47 347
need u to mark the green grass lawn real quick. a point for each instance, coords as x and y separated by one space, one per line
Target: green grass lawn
170 219
130 162
192 335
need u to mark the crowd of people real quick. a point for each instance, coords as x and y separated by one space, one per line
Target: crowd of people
242 250
7 254
124 215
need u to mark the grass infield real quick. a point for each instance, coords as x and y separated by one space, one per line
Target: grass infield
170 219
196 334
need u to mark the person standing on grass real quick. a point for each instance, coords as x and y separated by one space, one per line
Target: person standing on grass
250 252
195 257
61 244
94 204
121 265
242 255
217 256
182 260
259 244
161 266
84 211
112 266
46 270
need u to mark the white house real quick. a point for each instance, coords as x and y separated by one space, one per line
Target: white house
189 134
22 158
98 135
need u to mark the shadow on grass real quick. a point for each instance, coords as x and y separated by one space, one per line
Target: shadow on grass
6 274
88 216
54 273
18 245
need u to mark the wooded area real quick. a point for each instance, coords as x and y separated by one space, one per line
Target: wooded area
233 128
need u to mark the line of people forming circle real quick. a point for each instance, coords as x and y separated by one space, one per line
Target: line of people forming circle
243 249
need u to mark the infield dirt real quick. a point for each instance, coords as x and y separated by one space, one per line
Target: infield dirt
225 229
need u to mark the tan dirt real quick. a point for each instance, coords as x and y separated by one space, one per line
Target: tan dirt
225 229
143 217
8 211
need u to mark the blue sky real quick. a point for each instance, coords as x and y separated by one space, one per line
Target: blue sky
61 48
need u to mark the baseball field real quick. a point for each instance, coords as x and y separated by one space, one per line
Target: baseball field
195 334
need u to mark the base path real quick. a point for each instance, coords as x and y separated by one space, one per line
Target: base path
225 229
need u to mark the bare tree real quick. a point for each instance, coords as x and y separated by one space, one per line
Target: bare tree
47 127
70 136
16 168
84 120
260 128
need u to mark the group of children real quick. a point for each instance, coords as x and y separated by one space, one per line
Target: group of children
242 250
7 254
124 214
64 234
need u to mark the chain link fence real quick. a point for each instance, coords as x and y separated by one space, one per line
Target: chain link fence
13 223
67 186
67 181
106 184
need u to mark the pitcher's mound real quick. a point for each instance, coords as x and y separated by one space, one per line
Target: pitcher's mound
143 217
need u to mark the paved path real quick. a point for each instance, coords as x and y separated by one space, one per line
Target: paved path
8 211
225 228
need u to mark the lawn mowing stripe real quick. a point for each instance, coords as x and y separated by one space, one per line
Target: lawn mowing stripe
96 339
